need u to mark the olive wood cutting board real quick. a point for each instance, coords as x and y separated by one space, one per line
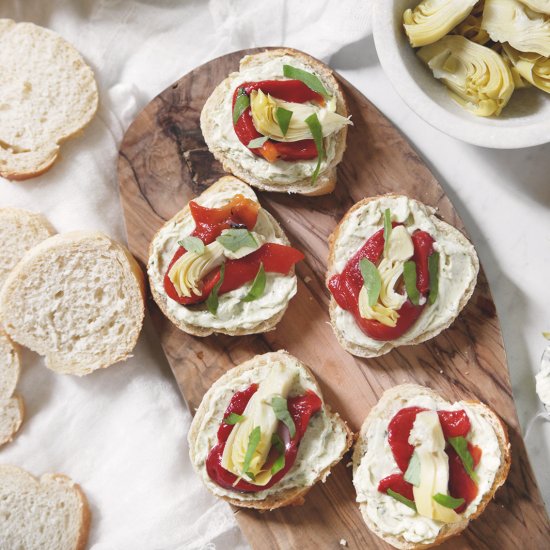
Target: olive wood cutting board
164 162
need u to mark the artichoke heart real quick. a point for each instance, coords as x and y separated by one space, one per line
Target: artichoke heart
264 107
542 6
513 22
477 77
433 19
531 66
258 413
471 28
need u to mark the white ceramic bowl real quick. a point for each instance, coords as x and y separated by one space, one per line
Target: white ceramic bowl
524 122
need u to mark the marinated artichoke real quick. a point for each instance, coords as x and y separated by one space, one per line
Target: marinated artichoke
471 29
531 66
477 77
543 6
433 19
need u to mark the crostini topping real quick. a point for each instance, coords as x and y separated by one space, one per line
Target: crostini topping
309 79
255 453
387 283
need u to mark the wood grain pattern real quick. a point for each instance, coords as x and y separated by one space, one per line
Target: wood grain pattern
164 163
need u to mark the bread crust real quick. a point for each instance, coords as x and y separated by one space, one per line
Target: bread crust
161 299
450 530
288 497
326 180
8 396
364 351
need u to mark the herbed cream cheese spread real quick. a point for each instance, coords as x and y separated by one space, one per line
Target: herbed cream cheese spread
393 518
224 139
232 312
323 443
458 266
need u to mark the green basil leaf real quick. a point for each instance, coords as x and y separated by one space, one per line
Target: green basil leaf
241 104
253 442
280 409
371 280
212 300
279 464
235 239
283 117
387 229
412 475
258 286
433 268
192 244
317 132
448 501
250 475
309 79
258 142
409 275
402 499
460 445
233 418
277 442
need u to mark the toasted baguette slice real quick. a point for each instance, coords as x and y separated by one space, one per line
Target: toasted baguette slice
20 230
50 513
281 176
77 299
234 317
48 95
370 465
313 463
11 406
458 270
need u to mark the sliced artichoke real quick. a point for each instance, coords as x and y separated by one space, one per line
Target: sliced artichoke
433 19
513 22
471 29
542 6
477 77
531 66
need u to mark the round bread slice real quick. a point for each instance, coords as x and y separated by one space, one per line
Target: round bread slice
325 442
20 230
234 317
48 94
372 461
458 270
50 513
281 176
77 299
11 406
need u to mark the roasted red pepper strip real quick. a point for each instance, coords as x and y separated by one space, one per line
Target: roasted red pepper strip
301 408
287 90
423 248
397 483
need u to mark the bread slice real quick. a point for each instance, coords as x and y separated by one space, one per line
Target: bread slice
50 513
378 419
77 299
203 434
11 406
348 237
20 230
216 121
48 95
164 245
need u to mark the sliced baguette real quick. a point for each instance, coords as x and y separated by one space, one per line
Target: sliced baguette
364 349
11 406
50 513
77 299
206 422
232 153
402 396
48 95
164 240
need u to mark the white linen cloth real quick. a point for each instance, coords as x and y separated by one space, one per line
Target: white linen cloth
121 432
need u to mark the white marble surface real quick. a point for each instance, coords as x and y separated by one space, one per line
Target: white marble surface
121 432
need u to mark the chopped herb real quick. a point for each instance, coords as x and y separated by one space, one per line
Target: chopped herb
412 475
258 142
258 286
371 280
279 464
433 268
241 104
192 244
253 442
280 409
460 445
448 501
250 475
235 239
309 79
409 275
283 117
387 229
317 132
233 419
212 300
402 499
277 442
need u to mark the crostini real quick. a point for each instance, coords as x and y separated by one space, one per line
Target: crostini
423 467
263 435
398 275
223 264
279 124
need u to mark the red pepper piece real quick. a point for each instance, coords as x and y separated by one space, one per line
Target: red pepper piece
454 423
237 405
399 430
423 248
461 485
397 483
294 91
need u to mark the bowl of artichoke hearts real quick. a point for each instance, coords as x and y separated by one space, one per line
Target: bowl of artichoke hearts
478 70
